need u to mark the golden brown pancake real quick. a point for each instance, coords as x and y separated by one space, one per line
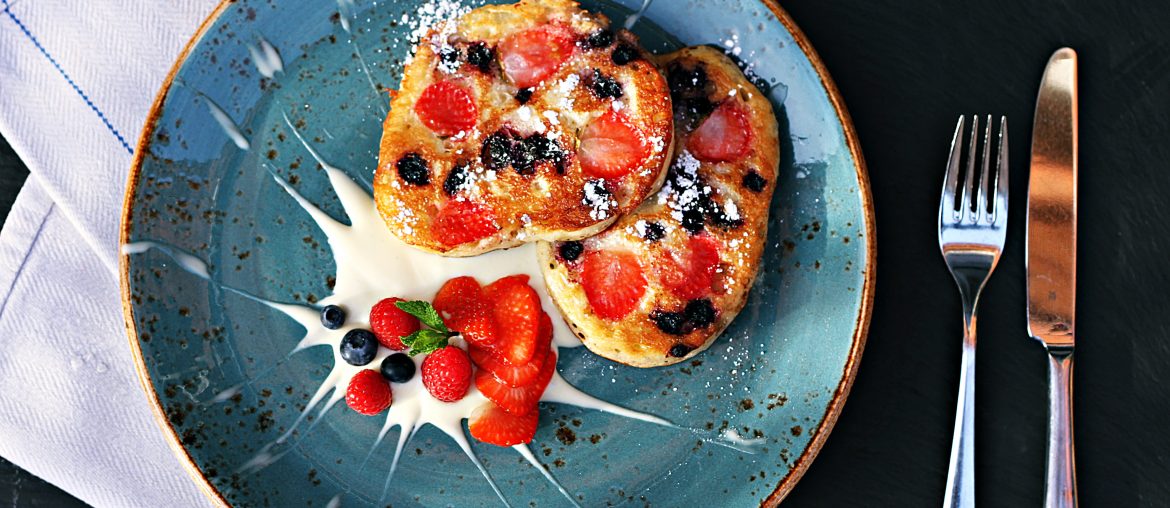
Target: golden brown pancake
535 160
697 243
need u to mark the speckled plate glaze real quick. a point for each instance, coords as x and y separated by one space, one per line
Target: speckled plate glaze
782 371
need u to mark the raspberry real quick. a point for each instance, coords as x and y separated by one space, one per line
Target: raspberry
446 373
390 323
368 393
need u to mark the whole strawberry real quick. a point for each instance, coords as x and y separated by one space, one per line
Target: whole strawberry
390 323
447 373
368 393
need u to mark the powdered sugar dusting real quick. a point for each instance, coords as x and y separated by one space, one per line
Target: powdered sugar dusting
657 144
684 188
440 15
563 91
598 199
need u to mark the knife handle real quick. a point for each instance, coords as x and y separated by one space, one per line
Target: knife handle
1060 485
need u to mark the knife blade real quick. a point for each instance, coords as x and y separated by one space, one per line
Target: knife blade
1052 205
1051 259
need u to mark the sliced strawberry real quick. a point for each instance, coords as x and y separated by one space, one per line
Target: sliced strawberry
521 399
492 425
446 108
491 292
611 147
457 294
461 303
511 375
459 222
524 373
689 273
532 55
477 328
725 135
613 282
517 315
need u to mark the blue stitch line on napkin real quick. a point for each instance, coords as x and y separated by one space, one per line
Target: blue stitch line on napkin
65 75
24 262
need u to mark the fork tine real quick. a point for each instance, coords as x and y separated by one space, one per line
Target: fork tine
983 208
968 207
1000 204
948 204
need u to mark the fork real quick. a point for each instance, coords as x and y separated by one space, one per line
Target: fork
972 224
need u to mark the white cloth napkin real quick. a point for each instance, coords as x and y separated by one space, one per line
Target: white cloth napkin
77 78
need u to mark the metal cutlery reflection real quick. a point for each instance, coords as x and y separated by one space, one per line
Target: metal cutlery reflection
1052 260
972 225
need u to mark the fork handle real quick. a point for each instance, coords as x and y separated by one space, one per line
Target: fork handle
1060 483
961 472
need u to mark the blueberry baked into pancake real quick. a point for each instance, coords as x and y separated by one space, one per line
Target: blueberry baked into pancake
663 282
521 122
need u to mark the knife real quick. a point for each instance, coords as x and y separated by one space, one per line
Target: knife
1052 260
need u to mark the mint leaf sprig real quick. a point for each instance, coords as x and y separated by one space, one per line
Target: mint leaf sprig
433 335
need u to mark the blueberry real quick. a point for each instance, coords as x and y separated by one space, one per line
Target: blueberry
604 86
624 54
358 347
687 83
455 179
723 221
524 156
719 217
570 251
754 182
654 232
497 151
523 95
412 167
449 55
673 323
480 55
692 220
700 312
679 350
599 39
545 150
332 317
398 368
689 111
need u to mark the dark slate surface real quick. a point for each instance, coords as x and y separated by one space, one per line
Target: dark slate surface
906 69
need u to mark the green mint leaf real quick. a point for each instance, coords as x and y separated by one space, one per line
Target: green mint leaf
424 312
425 341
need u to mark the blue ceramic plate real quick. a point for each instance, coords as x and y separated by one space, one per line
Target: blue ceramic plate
216 363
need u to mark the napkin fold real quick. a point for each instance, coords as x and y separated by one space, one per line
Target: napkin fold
76 81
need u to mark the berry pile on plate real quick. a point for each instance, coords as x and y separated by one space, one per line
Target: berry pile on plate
509 353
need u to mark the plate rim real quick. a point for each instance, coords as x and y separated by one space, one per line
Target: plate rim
832 410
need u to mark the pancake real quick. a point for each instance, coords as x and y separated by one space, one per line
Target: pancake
663 282
521 122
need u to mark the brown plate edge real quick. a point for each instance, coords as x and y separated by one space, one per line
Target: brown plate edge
832 412
861 326
140 151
